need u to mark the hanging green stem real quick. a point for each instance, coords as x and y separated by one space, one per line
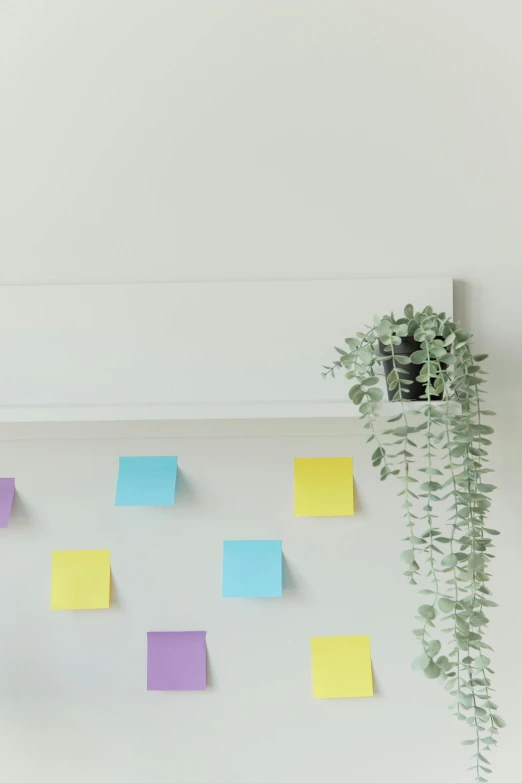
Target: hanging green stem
447 368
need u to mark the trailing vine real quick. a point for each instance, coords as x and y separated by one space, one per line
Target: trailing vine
438 451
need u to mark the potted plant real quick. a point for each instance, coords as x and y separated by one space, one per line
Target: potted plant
438 451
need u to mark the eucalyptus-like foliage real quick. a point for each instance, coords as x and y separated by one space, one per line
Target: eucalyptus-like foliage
439 454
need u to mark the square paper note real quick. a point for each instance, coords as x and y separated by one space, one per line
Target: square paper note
341 667
252 569
176 661
323 487
146 481
7 490
81 579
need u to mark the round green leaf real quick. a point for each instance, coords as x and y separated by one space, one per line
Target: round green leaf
375 394
421 663
430 486
355 390
449 561
432 671
477 619
476 561
433 647
427 611
462 335
419 357
365 356
352 343
466 699
384 328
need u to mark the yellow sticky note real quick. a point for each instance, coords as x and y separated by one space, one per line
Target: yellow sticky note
81 579
341 667
323 487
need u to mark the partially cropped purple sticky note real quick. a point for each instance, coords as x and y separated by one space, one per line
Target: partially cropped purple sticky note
176 661
7 490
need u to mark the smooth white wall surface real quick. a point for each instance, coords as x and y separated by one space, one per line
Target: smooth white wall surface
73 699
273 139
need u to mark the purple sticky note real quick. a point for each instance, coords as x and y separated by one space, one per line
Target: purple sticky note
7 490
176 661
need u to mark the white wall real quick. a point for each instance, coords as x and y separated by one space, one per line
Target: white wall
73 699
147 141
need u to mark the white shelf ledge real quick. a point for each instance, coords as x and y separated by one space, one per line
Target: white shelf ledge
193 412
178 412
216 351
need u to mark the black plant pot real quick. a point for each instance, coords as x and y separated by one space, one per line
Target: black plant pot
410 392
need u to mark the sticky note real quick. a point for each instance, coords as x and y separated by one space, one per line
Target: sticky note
146 481
341 667
7 490
252 569
323 487
81 579
176 661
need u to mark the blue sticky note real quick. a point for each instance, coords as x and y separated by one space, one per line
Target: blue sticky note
146 481
252 569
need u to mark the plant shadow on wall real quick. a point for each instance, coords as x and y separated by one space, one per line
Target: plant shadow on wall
438 451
